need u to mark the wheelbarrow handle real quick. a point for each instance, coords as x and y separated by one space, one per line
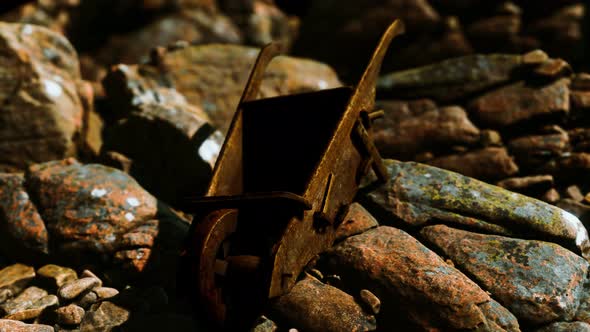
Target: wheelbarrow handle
284 198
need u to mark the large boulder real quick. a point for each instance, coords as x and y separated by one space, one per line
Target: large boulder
42 110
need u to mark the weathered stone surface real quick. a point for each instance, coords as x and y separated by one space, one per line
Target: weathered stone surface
7 325
88 208
55 276
530 185
41 108
34 309
69 315
539 282
217 76
356 221
452 79
23 300
104 316
195 26
531 151
411 127
566 327
72 289
411 281
490 164
87 299
16 277
23 232
518 102
178 134
499 318
105 292
312 305
418 193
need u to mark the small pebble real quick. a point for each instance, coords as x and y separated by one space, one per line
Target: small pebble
69 315
72 289
105 292
56 275
35 309
370 301
89 274
8 325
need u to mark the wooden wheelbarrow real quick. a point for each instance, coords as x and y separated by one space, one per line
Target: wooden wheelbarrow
288 170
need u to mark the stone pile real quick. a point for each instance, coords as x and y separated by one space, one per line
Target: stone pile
442 29
107 123
518 121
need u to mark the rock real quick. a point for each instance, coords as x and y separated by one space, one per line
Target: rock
553 68
580 100
89 274
499 318
371 302
565 327
196 26
217 78
574 193
15 278
408 129
7 325
69 315
23 300
34 309
180 135
87 299
356 221
412 282
452 79
539 282
72 289
23 234
418 194
261 21
490 164
581 81
263 324
531 151
88 208
490 138
41 109
578 209
519 102
104 316
570 167
531 185
551 196
55 276
311 306
104 293
54 15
